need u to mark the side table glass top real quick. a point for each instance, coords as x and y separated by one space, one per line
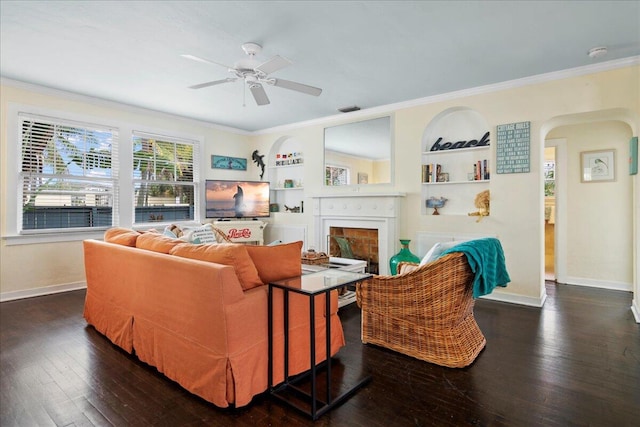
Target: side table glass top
321 281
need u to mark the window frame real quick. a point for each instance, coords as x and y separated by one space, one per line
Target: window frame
11 234
82 175
195 182
347 171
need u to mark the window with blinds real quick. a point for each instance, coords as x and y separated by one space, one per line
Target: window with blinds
336 175
165 178
67 175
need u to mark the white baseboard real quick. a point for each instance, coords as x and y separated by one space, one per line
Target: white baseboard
634 309
596 283
516 299
37 292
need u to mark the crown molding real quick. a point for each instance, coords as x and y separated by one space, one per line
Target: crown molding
480 90
361 114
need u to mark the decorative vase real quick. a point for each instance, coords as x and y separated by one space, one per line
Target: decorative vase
404 255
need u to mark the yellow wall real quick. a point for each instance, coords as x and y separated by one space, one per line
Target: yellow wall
517 199
59 266
599 228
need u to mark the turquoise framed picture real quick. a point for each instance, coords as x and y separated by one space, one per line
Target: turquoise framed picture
227 162
633 156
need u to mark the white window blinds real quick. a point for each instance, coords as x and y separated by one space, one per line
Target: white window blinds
165 177
68 172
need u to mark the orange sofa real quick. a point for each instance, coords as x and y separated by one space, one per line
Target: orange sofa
202 324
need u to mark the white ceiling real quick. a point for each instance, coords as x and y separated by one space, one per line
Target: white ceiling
366 53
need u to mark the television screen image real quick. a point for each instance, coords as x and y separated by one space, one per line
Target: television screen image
237 199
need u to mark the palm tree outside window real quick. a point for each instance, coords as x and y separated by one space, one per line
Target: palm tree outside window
164 178
67 174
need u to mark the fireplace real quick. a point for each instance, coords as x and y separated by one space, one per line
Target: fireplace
355 243
377 213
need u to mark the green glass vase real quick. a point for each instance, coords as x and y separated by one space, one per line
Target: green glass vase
404 255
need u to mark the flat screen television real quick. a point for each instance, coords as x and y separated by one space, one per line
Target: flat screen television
236 199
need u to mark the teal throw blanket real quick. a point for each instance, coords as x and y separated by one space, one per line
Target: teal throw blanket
486 258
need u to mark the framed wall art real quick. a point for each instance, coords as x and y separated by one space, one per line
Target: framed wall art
633 156
226 162
598 166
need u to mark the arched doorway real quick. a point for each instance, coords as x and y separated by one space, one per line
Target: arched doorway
594 223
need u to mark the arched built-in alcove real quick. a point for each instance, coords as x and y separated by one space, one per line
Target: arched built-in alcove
286 173
453 143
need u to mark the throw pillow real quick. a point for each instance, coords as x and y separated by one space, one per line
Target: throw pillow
156 242
437 250
170 231
277 262
226 253
121 236
201 235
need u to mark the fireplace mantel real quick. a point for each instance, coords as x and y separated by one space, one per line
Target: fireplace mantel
358 204
360 210
357 194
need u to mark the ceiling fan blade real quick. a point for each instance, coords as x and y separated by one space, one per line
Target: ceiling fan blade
299 87
259 94
274 64
213 83
204 61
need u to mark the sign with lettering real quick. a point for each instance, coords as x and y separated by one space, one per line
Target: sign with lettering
513 148
243 233
441 146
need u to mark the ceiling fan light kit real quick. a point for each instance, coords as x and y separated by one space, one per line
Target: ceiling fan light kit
255 74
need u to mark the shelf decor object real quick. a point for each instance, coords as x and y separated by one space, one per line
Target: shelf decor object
598 166
482 201
405 255
435 203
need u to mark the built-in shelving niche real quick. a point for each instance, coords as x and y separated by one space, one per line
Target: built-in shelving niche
462 172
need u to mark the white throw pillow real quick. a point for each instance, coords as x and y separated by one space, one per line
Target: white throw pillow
437 250
201 235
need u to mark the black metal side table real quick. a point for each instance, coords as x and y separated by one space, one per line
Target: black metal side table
310 285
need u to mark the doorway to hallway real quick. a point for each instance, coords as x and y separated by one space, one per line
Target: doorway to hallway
550 189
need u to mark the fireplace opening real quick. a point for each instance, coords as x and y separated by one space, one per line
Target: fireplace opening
355 243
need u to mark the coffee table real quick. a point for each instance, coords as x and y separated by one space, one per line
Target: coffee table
310 285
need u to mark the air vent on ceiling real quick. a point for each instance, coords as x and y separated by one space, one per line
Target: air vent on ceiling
349 109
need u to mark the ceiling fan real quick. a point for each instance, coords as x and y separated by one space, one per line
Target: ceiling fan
255 74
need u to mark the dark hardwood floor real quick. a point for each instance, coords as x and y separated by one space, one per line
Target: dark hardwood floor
575 362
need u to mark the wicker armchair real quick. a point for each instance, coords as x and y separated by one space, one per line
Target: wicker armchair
426 313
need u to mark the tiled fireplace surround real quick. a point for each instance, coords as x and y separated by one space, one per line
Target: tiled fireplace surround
359 211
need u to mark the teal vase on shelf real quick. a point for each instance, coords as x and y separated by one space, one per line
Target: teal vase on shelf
404 255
